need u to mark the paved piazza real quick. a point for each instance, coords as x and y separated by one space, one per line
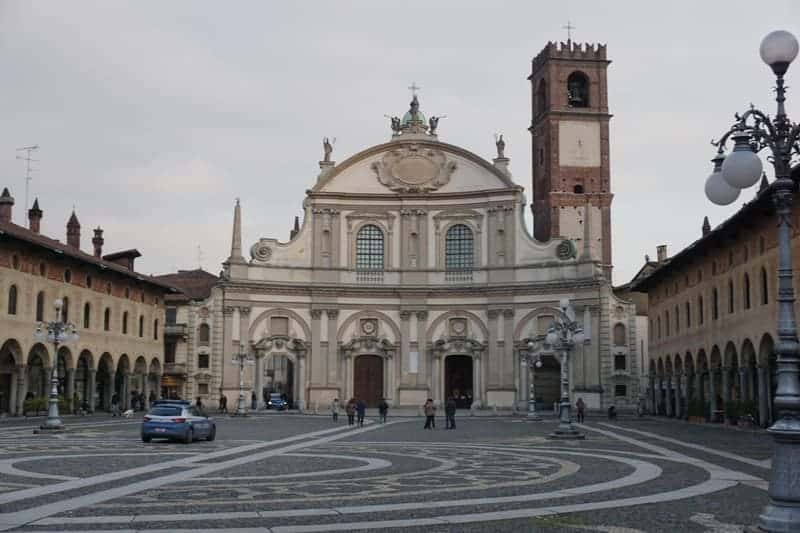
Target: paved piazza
287 473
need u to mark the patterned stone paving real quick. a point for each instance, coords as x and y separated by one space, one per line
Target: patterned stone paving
294 474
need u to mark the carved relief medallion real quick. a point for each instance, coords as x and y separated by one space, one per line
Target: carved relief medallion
261 252
369 326
414 168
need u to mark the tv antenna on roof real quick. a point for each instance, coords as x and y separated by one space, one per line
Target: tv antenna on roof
28 169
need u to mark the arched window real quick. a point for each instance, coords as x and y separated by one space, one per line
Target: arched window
658 327
125 323
459 248
541 97
65 309
746 291
40 306
700 311
12 300
204 334
619 335
107 319
666 323
731 300
677 320
369 248
141 326
155 329
688 315
714 268
578 90
762 245
714 304
87 313
764 287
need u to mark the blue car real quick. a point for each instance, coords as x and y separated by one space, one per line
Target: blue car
276 402
176 421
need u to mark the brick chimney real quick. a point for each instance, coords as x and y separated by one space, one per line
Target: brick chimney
661 250
98 241
6 205
74 231
34 217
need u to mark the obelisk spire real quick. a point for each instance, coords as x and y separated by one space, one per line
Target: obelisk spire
236 240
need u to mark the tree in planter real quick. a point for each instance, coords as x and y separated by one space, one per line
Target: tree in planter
732 412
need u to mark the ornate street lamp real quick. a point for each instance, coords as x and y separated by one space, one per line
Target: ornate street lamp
241 359
56 332
562 336
532 360
751 133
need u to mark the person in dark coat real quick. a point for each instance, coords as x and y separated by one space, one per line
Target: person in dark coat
115 404
361 409
350 409
383 410
223 403
253 401
450 413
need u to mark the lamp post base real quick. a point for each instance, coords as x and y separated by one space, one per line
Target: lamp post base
50 428
782 513
241 408
566 434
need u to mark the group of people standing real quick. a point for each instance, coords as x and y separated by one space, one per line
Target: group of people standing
358 407
449 414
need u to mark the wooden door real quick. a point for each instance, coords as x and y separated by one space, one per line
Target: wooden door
368 379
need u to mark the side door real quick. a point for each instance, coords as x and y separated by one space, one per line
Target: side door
198 422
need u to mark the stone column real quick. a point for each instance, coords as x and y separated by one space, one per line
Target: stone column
652 394
146 391
158 386
21 388
726 386
523 394
405 337
91 394
679 396
303 383
258 381
670 405
69 391
508 347
12 395
227 345
333 347
698 386
126 386
742 384
712 392
347 359
436 363
477 384
493 353
422 343
318 371
763 397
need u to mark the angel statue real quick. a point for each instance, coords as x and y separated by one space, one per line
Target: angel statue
328 148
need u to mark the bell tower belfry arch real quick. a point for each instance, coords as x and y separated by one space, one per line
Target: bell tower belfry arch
570 146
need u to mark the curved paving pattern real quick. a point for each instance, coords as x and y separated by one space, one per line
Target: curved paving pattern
340 479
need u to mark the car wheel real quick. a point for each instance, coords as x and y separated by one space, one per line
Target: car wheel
213 434
189 437
145 438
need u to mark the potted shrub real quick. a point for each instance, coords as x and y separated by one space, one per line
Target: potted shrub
732 412
695 411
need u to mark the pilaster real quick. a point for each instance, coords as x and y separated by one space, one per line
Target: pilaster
333 347
318 366
494 354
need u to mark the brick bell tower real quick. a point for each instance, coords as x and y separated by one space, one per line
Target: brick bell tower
569 130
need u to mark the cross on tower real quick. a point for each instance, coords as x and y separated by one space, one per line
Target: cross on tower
414 88
569 27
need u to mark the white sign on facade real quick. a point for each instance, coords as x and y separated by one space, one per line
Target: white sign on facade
413 362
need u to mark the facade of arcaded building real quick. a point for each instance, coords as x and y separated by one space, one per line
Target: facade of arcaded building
118 313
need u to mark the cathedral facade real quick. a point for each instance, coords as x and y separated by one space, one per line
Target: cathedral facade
414 276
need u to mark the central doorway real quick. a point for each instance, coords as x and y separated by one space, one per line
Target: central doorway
368 379
547 381
280 378
458 380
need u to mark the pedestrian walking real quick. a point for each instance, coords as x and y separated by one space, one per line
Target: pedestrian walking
581 407
335 409
450 413
350 410
134 398
383 410
199 404
223 404
361 410
253 401
115 404
430 412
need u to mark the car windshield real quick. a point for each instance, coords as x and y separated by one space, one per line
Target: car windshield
275 397
166 411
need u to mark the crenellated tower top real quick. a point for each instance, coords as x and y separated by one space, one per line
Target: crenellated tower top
570 50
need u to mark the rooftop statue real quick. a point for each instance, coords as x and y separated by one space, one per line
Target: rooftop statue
328 148
501 147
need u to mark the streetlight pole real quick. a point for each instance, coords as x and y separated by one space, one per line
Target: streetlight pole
752 132
241 359
532 361
56 332
562 336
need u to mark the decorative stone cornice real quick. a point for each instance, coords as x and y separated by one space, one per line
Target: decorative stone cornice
244 310
332 313
459 345
368 345
422 315
508 313
227 310
405 315
316 314
493 314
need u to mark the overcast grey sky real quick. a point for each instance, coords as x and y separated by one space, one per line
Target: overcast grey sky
154 116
